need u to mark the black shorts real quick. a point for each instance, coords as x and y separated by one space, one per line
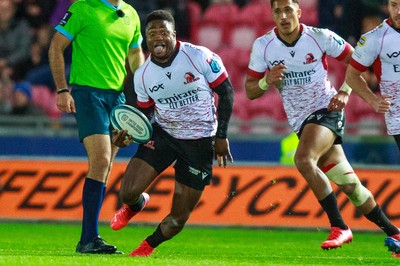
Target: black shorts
335 121
397 139
193 158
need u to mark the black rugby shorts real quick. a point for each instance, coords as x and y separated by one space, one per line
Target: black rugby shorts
193 158
335 121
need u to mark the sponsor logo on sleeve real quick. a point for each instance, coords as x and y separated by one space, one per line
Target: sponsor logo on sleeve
215 67
362 41
65 19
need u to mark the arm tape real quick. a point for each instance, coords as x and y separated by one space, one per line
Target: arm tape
345 88
263 84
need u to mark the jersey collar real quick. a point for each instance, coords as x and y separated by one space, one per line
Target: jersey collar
171 59
110 5
293 43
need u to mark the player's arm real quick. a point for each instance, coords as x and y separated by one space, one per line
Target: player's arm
225 107
135 58
360 87
224 111
256 87
339 101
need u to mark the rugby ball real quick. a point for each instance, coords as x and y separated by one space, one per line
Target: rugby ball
126 117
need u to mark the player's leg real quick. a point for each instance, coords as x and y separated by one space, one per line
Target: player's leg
315 141
393 242
184 201
137 177
339 171
193 171
142 169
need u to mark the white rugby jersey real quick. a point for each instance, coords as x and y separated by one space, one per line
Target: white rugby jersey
305 88
380 48
182 91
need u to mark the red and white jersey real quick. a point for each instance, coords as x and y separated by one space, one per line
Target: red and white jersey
305 88
182 91
380 49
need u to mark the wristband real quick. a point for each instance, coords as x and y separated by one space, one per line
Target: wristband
62 90
262 83
345 88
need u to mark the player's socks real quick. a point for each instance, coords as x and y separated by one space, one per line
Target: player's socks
148 245
329 204
379 218
138 205
92 198
156 238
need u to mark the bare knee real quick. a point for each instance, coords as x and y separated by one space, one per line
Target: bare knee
304 163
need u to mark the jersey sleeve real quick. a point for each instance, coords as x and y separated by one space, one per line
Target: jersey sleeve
212 68
365 53
257 64
142 98
335 45
72 21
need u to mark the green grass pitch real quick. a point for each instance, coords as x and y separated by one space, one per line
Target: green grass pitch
29 243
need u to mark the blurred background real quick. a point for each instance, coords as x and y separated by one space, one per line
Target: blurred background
31 125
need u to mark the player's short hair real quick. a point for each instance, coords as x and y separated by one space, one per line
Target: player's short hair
160 15
294 1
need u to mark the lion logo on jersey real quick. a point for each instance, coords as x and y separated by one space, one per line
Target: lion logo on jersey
189 77
309 59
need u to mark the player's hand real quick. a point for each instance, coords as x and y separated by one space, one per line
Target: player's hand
381 104
276 74
65 103
222 151
150 145
339 101
121 138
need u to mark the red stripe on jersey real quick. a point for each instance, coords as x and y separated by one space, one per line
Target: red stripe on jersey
219 80
377 67
255 74
324 61
357 65
145 104
345 52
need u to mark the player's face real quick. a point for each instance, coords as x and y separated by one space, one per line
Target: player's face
286 16
394 12
160 40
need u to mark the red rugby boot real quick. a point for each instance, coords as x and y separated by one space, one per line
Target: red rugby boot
143 250
337 238
124 214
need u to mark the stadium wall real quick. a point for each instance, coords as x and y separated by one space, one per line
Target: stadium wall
265 195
